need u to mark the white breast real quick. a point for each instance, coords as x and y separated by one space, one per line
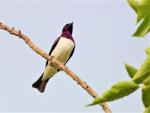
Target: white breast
63 49
61 52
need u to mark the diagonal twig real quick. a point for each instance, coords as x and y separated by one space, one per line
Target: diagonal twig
61 66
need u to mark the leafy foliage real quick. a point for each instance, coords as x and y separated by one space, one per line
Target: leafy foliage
147 81
131 70
142 8
147 110
143 72
117 91
146 95
140 75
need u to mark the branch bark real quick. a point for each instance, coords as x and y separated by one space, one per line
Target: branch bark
61 66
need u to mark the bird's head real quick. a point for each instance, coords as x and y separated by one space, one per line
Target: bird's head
68 28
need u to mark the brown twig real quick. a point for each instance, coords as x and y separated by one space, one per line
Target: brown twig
61 66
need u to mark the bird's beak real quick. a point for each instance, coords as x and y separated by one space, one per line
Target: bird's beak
70 27
71 24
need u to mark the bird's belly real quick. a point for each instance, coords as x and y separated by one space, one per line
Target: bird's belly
61 52
49 72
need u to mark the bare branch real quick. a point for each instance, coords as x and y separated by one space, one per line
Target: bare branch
61 66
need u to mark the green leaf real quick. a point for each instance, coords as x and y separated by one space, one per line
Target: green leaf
141 78
134 4
143 29
117 91
143 72
146 76
147 81
146 95
147 110
142 8
147 50
131 70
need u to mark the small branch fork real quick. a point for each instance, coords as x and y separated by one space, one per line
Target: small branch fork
61 66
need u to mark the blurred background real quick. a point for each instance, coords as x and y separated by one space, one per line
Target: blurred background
102 31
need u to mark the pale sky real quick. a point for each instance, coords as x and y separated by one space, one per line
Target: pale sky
102 31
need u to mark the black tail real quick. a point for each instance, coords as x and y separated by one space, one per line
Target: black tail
39 84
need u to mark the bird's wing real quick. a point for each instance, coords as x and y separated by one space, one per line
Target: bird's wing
71 54
53 46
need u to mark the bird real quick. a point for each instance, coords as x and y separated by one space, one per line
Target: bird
62 50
